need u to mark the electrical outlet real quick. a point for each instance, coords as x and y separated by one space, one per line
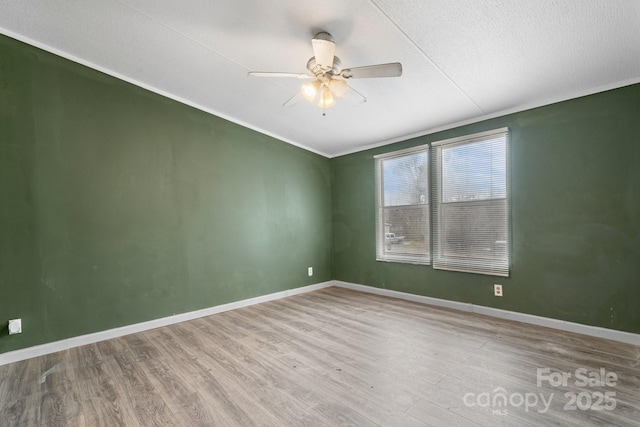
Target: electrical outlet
15 326
497 290
310 271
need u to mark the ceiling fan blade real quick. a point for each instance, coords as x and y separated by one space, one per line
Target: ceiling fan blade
276 74
373 71
324 49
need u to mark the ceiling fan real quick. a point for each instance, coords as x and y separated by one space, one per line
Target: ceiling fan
329 78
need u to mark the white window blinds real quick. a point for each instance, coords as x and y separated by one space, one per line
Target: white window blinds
402 198
470 204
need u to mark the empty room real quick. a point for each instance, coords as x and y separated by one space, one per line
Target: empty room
292 213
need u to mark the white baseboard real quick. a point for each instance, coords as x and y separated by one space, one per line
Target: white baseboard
40 350
594 331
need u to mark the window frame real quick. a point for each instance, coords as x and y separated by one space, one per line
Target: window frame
423 259
439 260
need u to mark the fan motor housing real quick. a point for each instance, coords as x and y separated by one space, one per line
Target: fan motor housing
319 71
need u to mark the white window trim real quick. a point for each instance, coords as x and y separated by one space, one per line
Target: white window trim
474 137
443 263
380 230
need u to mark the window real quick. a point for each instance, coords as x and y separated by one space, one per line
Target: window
402 200
470 204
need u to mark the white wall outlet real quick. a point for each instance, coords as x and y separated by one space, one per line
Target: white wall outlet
497 290
15 326
310 271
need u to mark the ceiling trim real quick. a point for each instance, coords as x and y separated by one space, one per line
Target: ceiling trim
153 89
518 109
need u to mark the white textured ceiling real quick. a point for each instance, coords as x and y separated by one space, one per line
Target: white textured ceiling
463 60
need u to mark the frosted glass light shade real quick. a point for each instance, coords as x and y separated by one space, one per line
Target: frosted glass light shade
326 98
310 90
338 87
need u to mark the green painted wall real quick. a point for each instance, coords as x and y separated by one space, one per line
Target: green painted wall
119 206
575 177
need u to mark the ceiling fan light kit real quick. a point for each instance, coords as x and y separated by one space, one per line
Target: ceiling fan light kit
330 79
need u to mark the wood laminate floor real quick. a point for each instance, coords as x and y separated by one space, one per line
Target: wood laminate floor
327 358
